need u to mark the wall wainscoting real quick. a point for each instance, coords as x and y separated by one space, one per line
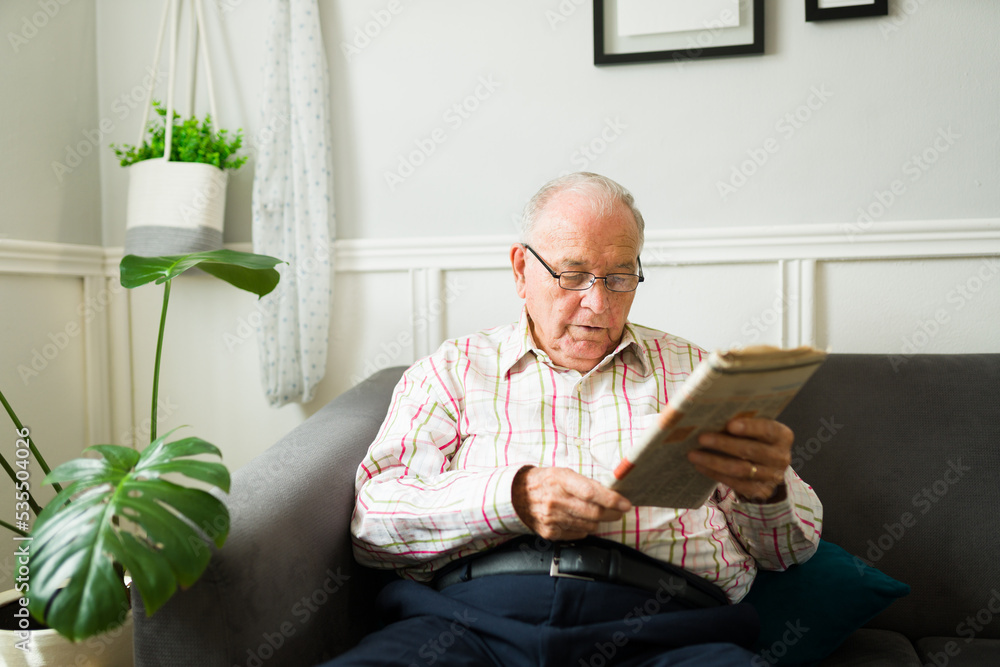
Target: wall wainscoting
893 288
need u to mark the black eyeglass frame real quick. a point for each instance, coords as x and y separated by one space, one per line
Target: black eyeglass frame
593 278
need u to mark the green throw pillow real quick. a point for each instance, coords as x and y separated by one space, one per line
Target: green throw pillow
808 610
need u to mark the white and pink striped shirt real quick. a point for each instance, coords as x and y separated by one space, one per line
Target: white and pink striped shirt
436 483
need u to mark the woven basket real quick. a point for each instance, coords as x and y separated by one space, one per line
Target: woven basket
174 208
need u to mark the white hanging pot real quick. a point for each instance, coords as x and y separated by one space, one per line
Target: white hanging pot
174 208
48 647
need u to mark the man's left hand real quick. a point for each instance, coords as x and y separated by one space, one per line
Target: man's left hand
750 457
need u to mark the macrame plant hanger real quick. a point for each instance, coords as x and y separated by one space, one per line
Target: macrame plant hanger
176 207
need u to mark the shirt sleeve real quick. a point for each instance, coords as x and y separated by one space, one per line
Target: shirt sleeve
779 534
411 507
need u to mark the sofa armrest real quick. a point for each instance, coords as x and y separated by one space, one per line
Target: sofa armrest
276 592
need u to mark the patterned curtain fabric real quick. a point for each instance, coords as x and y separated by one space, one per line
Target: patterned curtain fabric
293 202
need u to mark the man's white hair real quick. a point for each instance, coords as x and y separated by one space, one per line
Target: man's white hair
604 195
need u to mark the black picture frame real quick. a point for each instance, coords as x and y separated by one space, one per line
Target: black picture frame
603 57
816 13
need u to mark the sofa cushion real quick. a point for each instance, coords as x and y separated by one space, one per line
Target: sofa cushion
959 651
902 451
874 648
808 610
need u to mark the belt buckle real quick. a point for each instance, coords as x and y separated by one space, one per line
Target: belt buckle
554 567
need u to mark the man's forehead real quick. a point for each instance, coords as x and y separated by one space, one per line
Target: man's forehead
576 239
572 251
580 212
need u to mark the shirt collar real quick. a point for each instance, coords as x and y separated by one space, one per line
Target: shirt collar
520 342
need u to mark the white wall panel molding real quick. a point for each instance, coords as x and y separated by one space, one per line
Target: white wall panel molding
62 259
828 241
915 239
427 310
449 252
101 313
97 296
798 285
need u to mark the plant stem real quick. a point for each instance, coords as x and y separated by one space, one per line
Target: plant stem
34 450
10 473
16 530
156 366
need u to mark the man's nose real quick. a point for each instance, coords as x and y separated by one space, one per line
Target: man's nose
596 298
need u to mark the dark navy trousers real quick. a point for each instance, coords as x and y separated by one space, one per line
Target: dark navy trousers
535 620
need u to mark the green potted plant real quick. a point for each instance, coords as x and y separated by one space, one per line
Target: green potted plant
192 141
118 514
178 174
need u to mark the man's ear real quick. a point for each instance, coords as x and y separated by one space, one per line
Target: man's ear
517 263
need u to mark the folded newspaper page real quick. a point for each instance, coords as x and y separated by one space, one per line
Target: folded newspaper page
756 381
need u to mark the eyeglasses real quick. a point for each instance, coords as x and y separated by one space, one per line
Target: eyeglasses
578 281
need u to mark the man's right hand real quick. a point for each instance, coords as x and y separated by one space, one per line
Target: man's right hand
561 504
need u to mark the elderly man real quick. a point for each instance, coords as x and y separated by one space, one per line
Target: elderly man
486 485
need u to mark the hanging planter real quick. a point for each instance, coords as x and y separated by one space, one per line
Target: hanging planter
179 172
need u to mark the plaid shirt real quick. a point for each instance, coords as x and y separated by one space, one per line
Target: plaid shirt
436 483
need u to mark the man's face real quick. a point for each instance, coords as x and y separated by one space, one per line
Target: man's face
577 329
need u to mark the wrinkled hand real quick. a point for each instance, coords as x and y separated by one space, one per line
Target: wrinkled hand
561 504
750 457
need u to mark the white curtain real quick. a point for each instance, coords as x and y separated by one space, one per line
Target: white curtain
293 202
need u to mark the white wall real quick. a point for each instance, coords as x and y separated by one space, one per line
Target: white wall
50 137
889 86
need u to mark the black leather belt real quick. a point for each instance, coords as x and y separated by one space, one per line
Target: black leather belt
591 559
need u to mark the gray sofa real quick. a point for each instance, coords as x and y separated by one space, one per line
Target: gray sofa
876 437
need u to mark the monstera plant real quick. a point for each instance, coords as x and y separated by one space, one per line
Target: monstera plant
118 513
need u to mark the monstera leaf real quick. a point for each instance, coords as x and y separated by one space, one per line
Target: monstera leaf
119 509
250 272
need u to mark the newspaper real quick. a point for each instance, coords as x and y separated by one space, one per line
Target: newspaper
757 381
